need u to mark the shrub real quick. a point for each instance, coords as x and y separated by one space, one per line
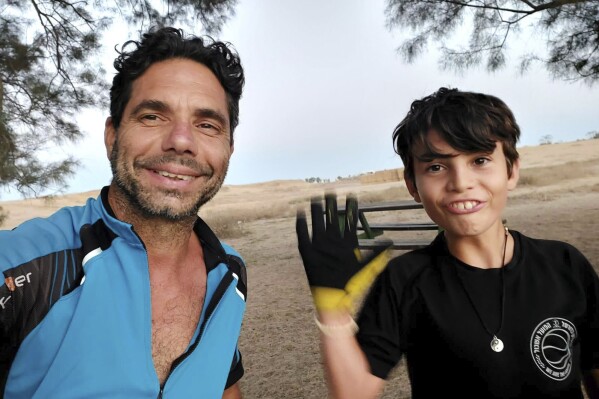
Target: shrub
546 139
3 216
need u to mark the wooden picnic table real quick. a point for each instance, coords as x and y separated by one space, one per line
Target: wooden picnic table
368 239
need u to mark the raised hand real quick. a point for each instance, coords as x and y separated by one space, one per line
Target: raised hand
337 271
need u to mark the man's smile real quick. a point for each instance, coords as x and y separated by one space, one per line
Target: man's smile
174 176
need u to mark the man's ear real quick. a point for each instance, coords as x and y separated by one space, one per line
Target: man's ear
109 136
512 180
411 185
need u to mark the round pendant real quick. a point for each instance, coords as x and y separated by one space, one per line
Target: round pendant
496 344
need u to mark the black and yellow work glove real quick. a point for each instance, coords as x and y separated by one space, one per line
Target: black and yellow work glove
337 271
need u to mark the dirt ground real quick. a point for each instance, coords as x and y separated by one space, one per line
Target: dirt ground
279 340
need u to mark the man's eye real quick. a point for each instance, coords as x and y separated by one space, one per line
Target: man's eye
149 118
209 129
434 168
481 161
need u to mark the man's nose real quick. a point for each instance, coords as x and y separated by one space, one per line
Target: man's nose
180 139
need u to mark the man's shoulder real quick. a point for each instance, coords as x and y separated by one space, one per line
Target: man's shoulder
40 236
61 220
212 242
229 250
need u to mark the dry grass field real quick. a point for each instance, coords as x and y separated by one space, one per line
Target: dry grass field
558 198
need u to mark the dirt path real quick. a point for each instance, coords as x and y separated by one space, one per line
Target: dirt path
280 341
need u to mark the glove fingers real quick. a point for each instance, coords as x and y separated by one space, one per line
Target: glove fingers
351 221
301 229
332 216
317 217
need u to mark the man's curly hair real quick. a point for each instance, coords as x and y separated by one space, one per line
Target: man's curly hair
168 43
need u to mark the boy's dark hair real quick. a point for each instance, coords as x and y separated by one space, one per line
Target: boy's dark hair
469 122
168 43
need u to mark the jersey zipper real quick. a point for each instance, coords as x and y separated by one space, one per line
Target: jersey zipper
218 294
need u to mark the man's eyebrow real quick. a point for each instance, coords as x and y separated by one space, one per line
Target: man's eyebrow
211 114
151 105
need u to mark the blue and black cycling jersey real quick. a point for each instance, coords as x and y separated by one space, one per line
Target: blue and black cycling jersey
75 312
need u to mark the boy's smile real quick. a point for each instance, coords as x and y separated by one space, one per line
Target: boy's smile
463 207
465 193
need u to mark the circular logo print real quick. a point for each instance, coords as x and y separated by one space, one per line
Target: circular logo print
551 347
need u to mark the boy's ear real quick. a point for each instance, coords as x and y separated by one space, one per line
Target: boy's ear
512 181
109 136
412 188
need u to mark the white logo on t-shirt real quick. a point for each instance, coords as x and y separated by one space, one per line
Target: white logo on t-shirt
551 347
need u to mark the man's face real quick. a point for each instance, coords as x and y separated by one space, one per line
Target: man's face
465 193
171 152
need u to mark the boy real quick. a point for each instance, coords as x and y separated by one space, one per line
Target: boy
483 311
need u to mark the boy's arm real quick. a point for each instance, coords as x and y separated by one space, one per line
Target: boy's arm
346 368
591 383
338 275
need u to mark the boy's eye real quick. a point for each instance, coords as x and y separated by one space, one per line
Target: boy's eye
481 161
434 168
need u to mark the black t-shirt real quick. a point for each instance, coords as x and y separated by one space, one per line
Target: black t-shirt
550 329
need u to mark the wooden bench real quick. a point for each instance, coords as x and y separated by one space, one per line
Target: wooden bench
368 239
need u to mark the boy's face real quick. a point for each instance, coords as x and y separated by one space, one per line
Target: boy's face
465 193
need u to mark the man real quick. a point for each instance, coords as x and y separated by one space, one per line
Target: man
132 295
483 311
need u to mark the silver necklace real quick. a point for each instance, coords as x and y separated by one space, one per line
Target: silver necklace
496 343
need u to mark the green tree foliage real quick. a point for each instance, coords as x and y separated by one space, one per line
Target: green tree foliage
50 70
594 134
570 29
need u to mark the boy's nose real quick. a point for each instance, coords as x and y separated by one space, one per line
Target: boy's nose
460 180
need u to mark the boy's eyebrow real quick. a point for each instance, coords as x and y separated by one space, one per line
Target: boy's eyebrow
430 155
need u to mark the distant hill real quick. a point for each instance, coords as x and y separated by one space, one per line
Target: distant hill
545 168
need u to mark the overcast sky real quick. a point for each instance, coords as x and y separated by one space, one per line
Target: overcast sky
325 87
